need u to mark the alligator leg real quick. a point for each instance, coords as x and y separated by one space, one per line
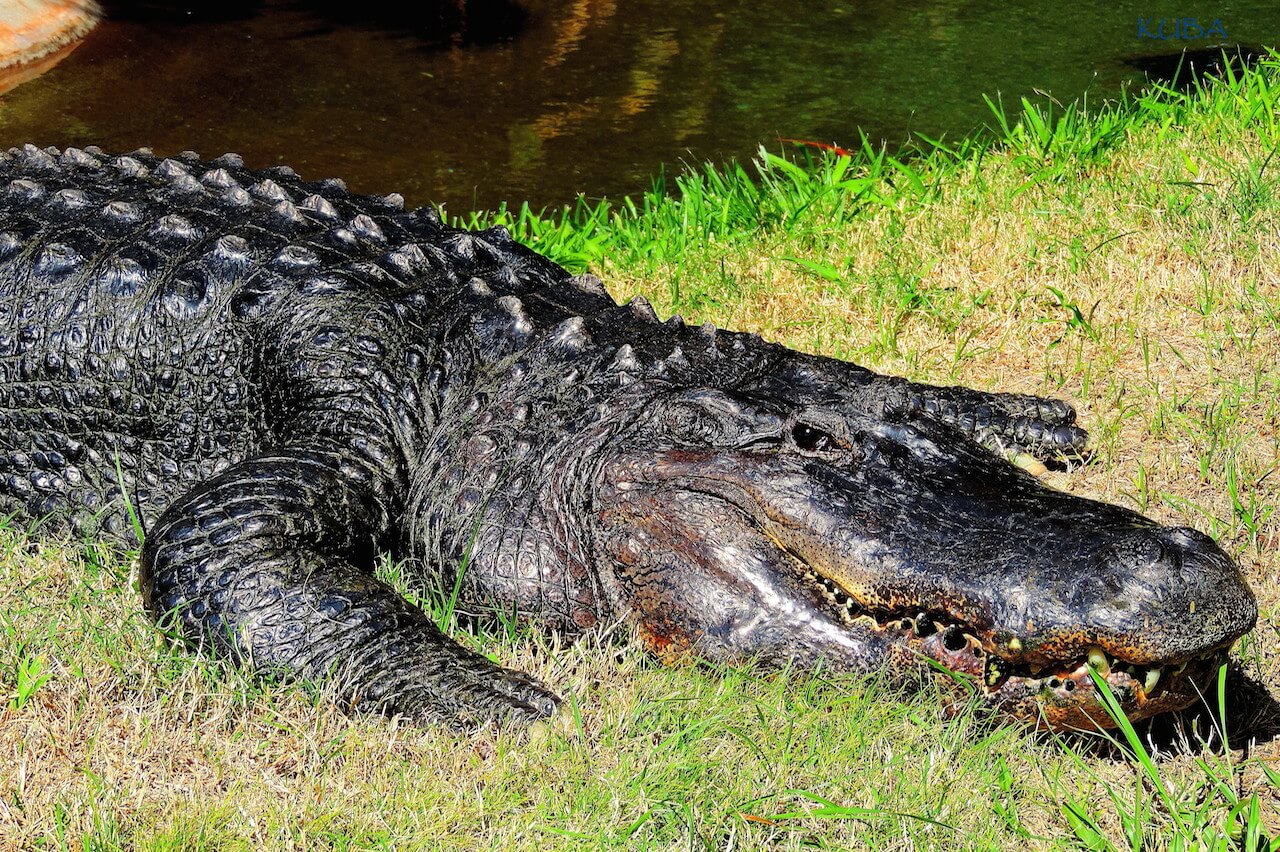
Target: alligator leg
260 563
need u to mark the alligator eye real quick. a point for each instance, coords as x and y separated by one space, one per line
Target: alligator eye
812 440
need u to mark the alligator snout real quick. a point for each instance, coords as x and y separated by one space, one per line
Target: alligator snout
1206 585
1140 592
902 546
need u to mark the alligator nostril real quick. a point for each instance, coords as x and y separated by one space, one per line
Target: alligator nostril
1138 549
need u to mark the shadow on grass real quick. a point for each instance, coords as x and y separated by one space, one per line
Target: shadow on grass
1253 718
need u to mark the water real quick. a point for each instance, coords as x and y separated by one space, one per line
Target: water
586 96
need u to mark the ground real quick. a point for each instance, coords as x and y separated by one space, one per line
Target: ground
1126 261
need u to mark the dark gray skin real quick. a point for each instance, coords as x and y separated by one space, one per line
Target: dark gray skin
293 380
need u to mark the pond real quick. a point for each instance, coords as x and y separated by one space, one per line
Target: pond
547 100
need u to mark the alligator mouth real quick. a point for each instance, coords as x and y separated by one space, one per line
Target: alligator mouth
1048 694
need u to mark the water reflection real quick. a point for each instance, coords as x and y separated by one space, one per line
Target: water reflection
591 96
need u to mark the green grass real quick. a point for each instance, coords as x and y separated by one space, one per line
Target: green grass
1126 257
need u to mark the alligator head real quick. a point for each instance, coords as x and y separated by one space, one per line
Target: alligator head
756 523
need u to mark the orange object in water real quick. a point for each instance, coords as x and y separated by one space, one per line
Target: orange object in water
36 34
821 146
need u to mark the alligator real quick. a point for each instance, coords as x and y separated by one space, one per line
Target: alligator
274 382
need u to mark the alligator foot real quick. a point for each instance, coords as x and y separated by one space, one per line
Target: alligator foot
441 682
1014 423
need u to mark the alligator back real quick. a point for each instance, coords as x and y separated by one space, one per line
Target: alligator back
245 350
144 304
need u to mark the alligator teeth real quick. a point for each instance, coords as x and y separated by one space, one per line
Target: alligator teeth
1030 464
996 670
1150 681
1098 660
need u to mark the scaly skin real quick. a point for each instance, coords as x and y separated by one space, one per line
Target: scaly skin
293 380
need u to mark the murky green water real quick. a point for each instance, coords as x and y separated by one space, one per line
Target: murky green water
591 96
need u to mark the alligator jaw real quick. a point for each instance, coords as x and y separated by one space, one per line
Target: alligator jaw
1065 697
1054 695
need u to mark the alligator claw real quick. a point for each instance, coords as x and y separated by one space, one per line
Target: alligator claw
462 690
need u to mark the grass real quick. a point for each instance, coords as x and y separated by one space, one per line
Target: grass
1125 258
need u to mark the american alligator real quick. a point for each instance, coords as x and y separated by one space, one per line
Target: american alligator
283 380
